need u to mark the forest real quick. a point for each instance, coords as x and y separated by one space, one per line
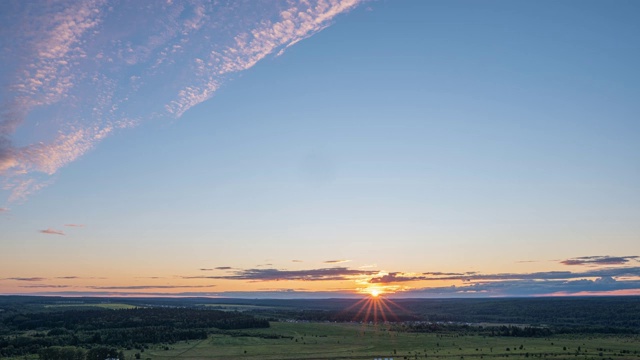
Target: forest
100 329
95 328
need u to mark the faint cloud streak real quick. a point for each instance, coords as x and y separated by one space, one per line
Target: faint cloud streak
335 261
26 278
51 231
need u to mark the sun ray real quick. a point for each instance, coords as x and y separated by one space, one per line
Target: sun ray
368 313
379 302
383 303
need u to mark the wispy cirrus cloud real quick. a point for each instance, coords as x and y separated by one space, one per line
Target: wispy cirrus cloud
324 274
74 225
51 231
78 71
600 260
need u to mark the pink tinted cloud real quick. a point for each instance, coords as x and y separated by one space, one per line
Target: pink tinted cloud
69 57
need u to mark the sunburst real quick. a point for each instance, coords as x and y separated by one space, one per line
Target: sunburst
375 308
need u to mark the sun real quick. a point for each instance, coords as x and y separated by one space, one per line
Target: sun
374 293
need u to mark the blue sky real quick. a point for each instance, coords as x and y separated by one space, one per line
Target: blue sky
369 140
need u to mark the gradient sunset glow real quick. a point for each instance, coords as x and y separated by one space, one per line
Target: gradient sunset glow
320 149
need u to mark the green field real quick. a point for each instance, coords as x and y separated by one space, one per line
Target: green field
237 307
355 341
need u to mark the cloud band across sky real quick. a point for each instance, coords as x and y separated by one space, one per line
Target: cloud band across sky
600 281
76 74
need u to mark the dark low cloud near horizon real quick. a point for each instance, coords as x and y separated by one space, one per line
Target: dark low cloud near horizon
394 277
600 260
511 288
285 294
124 293
131 287
324 274
514 288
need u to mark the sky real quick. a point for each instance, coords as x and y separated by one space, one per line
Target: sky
313 149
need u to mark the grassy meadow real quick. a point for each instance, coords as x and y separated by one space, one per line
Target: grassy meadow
355 341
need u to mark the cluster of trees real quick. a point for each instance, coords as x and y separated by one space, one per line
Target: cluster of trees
73 330
74 353
613 312
527 331
571 314
179 318
513 331
357 314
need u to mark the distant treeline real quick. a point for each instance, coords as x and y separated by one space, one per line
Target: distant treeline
511 331
565 312
179 318
28 333
563 315
579 312
504 330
